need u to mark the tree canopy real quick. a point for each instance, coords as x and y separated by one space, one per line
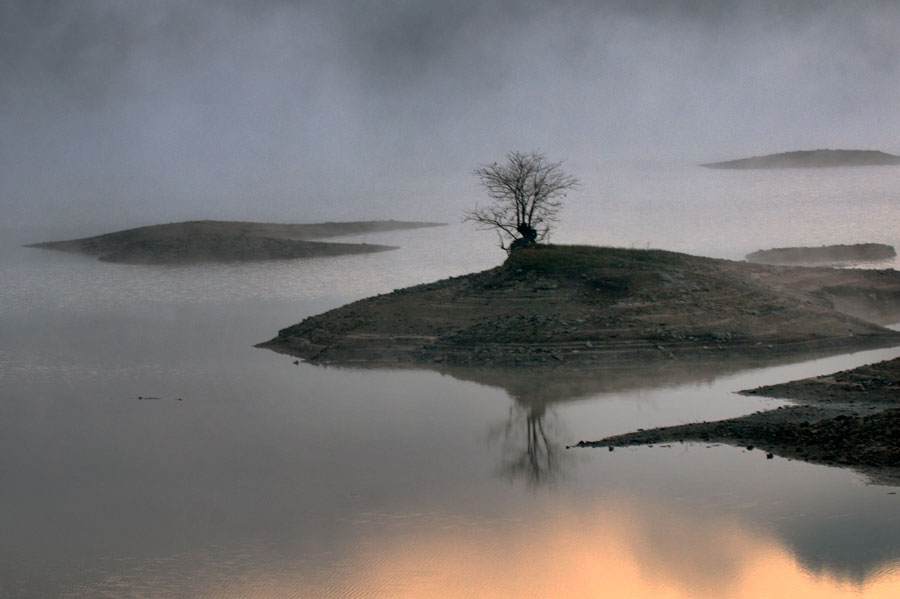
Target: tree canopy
526 194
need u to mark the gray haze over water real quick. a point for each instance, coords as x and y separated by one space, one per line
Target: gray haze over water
251 475
115 114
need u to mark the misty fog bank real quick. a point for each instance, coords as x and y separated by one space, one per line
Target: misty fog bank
125 114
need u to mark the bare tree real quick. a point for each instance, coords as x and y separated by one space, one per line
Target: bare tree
526 193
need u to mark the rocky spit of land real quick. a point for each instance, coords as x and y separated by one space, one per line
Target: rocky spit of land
826 254
579 307
811 159
227 241
848 419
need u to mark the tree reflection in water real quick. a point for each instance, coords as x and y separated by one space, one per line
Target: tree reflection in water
530 444
531 440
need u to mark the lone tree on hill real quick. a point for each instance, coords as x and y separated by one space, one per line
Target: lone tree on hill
526 193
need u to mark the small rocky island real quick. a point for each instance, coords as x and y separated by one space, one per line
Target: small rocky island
582 310
848 419
228 241
579 306
826 254
811 159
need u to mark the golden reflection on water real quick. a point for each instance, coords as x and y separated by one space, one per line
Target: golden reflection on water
613 551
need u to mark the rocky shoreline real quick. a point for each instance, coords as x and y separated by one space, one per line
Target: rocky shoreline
848 419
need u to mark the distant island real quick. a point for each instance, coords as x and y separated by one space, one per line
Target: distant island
826 254
811 159
228 241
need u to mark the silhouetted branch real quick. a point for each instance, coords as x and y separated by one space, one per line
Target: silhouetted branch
526 193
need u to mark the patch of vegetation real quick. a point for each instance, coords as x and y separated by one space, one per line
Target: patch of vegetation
567 260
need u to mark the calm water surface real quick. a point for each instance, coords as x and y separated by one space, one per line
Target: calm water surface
250 476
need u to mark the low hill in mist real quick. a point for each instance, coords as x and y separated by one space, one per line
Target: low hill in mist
227 241
826 254
590 306
811 159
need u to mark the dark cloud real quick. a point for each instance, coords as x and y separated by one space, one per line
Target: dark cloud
149 110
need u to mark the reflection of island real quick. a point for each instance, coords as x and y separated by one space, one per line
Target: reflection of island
532 444
222 241
811 159
533 453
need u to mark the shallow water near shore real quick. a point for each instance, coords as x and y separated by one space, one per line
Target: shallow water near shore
147 449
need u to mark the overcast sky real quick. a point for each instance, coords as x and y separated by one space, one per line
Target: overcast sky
134 112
